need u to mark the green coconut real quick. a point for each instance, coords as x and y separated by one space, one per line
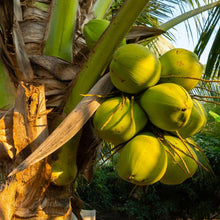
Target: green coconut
134 68
143 160
118 119
180 63
196 122
167 105
181 161
94 29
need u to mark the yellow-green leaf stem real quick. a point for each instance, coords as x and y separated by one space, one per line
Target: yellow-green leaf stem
102 53
60 37
7 90
101 7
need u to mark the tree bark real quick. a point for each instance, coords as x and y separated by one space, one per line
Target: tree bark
41 85
29 194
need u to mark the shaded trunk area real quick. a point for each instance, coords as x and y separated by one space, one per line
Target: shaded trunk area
40 92
29 194
42 84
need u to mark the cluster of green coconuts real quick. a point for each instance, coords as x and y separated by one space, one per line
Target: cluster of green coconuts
155 117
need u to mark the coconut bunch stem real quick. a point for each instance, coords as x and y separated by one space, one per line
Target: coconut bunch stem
194 145
205 160
120 105
174 148
191 155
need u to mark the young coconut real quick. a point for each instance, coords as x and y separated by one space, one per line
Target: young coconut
143 160
181 161
134 68
118 119
93 30
167 105
196 122
178 63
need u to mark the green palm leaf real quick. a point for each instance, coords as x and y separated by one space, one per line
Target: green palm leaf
213 62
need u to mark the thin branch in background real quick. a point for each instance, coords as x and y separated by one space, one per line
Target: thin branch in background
206 96
194 145
140 191
179 156
146 189
188 77
116 148
189 150
209 101
132 191
209 90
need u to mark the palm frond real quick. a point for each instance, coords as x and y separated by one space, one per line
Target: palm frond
213 64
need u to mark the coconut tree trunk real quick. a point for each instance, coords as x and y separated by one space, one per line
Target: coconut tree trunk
39 95
23 195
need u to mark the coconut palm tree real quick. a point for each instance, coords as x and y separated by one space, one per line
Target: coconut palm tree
45 122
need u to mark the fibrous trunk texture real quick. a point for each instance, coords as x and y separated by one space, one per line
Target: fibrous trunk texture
29 194
40 90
